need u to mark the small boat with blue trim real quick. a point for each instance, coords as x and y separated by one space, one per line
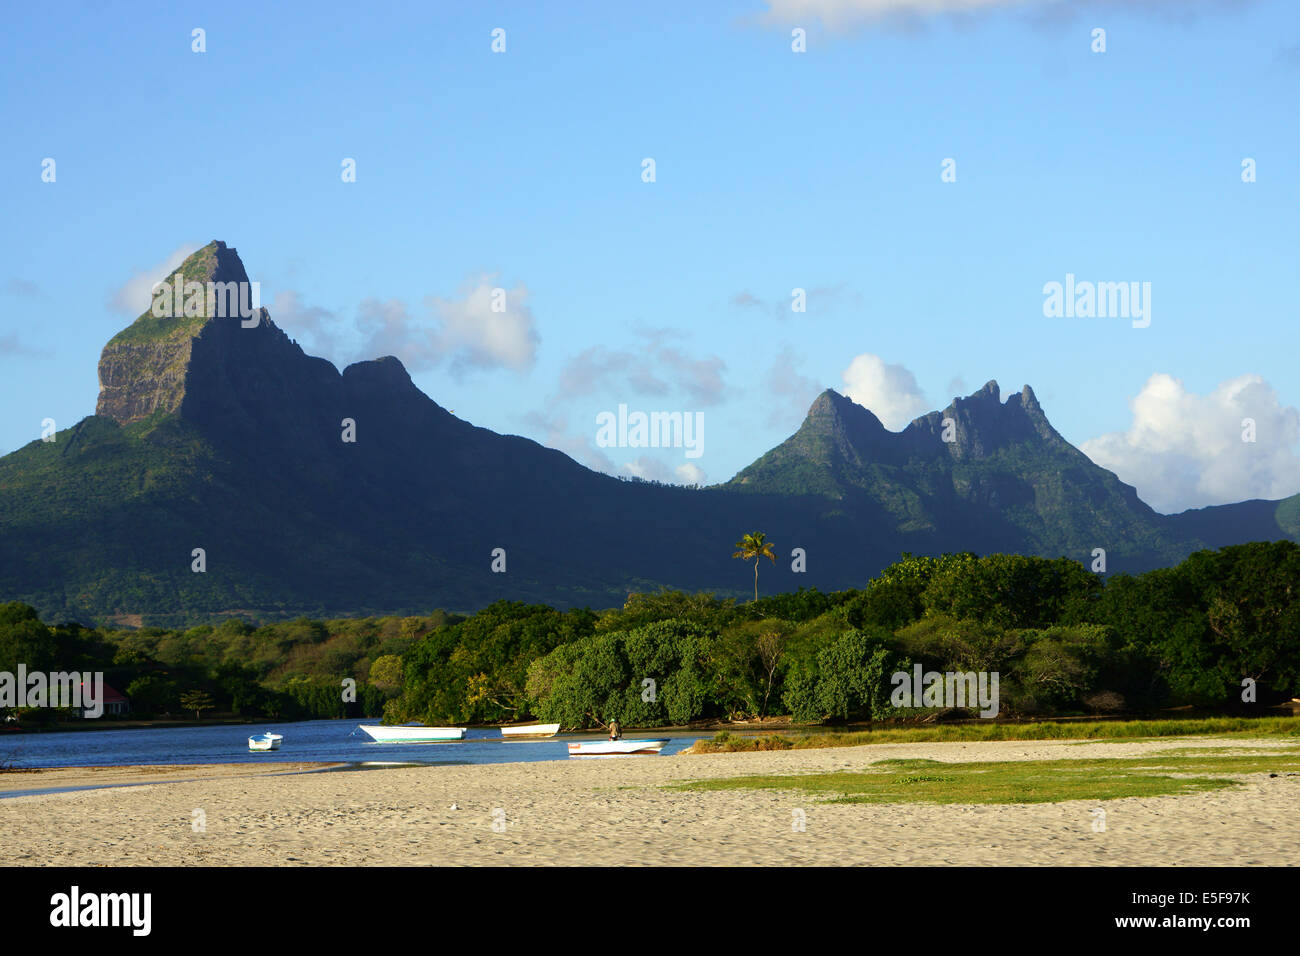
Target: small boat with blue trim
417 734
616 748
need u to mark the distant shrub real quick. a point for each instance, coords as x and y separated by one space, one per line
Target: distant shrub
1104 702
849 678
603 677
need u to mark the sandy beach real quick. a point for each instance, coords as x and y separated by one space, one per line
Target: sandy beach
616 812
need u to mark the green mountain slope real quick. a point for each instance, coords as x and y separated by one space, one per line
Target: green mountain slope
210 434
981 474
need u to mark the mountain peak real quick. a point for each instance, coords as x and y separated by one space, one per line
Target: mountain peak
1029 402
144 369
234 375
215 262
841 419
981 423
831 403
386 373
840 440
197 290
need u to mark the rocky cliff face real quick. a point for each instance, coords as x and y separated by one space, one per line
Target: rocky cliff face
145 368
240 379
138 379
843 436
981 425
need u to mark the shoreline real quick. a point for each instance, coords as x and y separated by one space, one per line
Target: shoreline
776 724
17 782
566 812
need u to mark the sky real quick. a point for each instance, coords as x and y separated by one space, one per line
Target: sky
656 188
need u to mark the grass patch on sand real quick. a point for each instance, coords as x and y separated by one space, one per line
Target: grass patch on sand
1016 781
1281 748
1126 730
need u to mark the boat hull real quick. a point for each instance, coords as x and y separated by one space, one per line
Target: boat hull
414 735
263 742
530 730
589 749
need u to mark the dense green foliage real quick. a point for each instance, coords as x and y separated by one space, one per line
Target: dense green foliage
292 670
472 670
1063 642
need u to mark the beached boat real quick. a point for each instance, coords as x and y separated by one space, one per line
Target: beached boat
530 730
414 735
267 741
616 748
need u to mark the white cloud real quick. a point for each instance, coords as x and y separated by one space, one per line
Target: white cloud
135 295
889 391
296 317
788 392
390 329
10 344
690 474
840 14
554 430
644 370
819 301
653 469
598 368
1185 450
701 379
488 327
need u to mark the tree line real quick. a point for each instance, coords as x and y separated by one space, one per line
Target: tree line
1220 630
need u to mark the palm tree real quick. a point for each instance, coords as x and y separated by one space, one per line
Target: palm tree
754 545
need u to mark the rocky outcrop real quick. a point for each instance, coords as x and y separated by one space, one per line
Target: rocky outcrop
981 425
145 368
137 379
987 474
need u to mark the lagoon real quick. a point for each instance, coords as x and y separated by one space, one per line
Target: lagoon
326 741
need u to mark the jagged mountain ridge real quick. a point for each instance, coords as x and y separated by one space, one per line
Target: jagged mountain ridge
211 435
1005 476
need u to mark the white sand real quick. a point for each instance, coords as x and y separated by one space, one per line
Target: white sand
594 812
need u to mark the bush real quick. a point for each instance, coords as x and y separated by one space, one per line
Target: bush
800 696
849 679
602 677
1104 702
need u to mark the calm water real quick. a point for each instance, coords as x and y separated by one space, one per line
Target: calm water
309 740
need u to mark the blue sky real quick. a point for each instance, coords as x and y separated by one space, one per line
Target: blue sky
774 170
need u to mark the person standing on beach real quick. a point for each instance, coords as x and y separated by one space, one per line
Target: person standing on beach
614 733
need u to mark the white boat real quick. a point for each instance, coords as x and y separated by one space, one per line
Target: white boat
413 735
616 748
267 741
531 730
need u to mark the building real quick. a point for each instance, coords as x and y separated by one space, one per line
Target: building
115 702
